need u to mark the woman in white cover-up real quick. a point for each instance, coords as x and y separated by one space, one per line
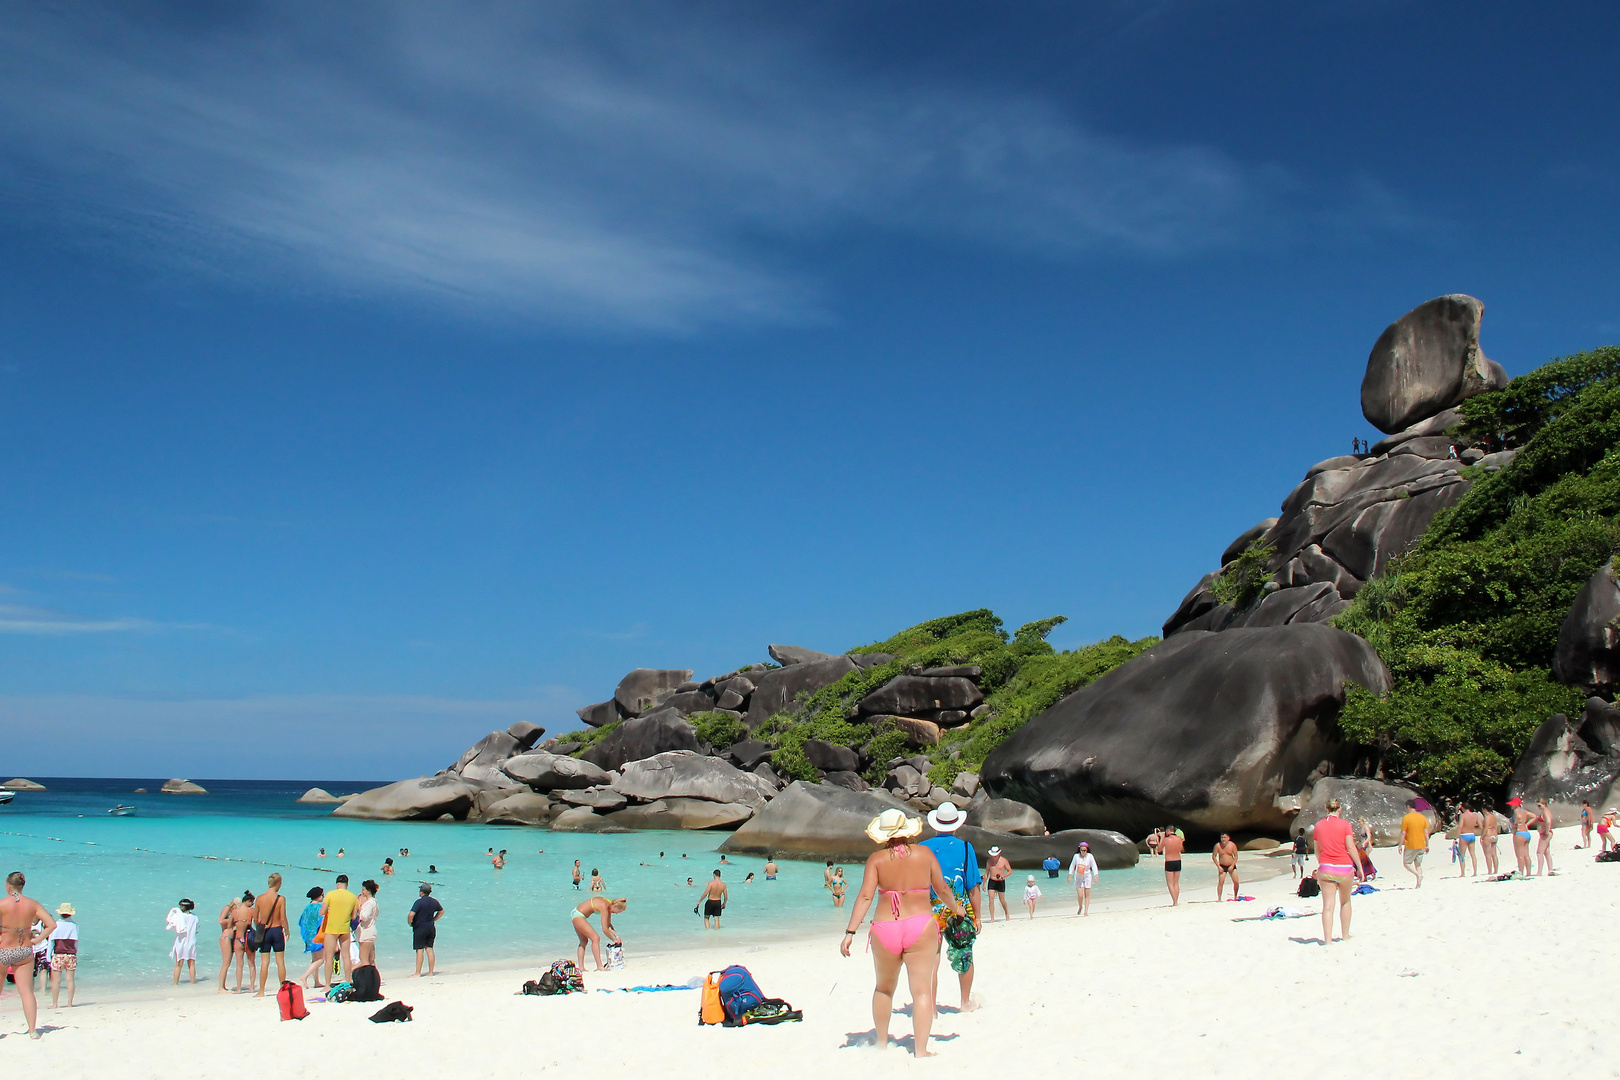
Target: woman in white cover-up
184 925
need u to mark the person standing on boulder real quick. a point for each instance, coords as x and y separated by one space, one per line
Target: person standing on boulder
1225 858
1083 875
996 872
1171 848
1414 840
959 866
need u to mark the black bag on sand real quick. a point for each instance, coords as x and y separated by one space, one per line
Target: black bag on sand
367 984
394 1010
1607 856
769 1011
1309 888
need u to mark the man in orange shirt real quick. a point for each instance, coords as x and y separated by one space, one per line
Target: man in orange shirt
1415 840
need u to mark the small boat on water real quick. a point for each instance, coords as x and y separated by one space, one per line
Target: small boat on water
121 810
7 796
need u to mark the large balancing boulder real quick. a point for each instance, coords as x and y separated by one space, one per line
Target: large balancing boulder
1006 816
527 734
642 737
554 772
788 655
777 690
646 688
683 774
913 695
1585 655
1205 730
1426 361
425 798
682 814
602 713
813 821
483 760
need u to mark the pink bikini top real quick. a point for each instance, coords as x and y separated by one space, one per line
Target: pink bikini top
894 897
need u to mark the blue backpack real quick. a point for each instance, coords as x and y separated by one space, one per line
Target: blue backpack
738 992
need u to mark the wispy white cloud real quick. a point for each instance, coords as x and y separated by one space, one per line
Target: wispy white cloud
558 162
20 619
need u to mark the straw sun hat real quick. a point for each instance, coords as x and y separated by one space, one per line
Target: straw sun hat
893 825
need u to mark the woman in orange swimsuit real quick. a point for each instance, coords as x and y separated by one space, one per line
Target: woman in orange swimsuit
903 926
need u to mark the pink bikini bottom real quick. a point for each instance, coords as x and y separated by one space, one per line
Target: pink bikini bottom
898 935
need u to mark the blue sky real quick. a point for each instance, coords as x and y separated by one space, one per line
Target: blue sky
371 381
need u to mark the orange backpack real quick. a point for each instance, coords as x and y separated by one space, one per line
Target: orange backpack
710 1011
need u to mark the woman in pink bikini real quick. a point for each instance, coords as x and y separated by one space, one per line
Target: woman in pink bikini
903 926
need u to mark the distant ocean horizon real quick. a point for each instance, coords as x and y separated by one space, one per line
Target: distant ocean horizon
123 874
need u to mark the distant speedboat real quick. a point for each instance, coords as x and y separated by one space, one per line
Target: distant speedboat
121 810
7 796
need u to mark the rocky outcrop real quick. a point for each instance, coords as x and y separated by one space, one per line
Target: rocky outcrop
1203 730
1586 652
1381 804
600 799
749 753
918 732
182 787
526 734
788 655
1427 360
776 690
1006 816
682 774
318 796
642 737
20 784
1570 761
602 713
644 689
830 757
519 808
553 772
425 798
582 819
813 821
682 814
921 695
483 760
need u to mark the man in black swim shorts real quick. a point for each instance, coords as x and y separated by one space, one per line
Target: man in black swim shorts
424 919
996 872
270 914
714 902
1171 848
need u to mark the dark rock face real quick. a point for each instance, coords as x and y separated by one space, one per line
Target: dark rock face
645 688
1570 761
777 690
830 757
680 774
870 659
1112 851
1204 730
1383 805
642 737
601 714
1434 425
584 820
682 814
526 734
601 799
906 781
959 671
1006 816
519 808
542 771
850 781
913 695
1585 655
1251 534
788 655
813 821
750 752
1426 361
426 798
689 702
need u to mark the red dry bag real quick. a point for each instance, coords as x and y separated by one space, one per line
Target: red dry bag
291 999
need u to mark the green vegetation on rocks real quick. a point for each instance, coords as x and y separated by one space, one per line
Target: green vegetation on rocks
1467 620
1243 580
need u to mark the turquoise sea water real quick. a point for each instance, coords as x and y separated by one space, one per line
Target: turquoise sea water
124 874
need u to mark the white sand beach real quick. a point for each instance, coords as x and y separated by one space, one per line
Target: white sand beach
1462 978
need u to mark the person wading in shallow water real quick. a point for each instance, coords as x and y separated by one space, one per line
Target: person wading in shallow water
18 914
714 902
1171 848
